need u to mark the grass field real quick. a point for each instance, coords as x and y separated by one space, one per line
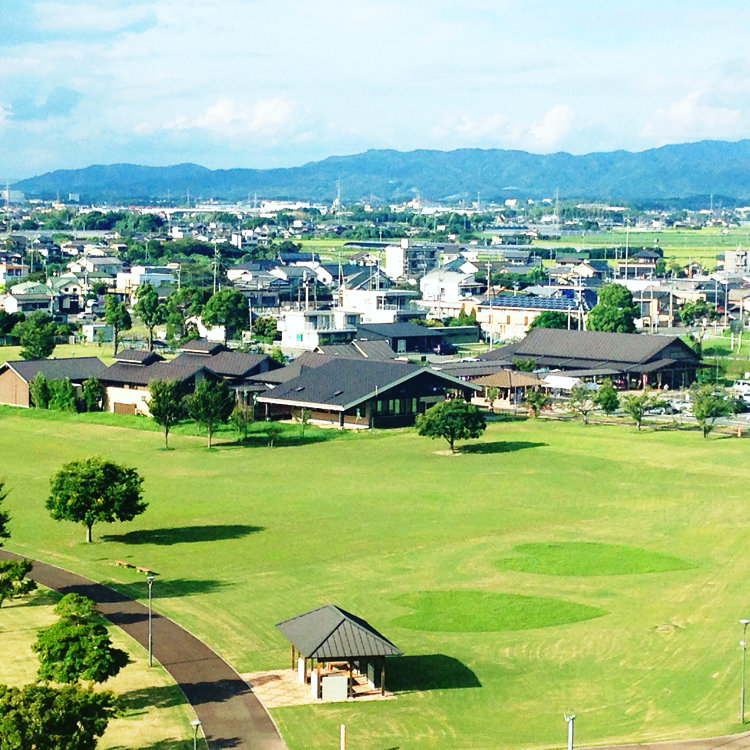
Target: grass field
155 714
549 567
701 245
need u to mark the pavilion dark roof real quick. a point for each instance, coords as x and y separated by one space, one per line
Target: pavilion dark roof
203 346
137 356
74 368
333 634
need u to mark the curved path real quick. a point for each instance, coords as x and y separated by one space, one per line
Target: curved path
231 716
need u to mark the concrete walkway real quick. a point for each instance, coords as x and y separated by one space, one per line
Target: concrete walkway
231 716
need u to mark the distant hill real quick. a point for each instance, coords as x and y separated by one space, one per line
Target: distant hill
677 171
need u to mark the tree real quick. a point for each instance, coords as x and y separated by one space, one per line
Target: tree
77 647
62 395
242 417
550 319
149 310
95 490
524 364
452 420
272 431
265 328
614 310
182 304
698 314
36 335
41 717
93 394
13 580
4 515
228 308
581 401
211 404
167 405
606 398
636 405
277 355
708 404
536 400
116 315
490 393
39 391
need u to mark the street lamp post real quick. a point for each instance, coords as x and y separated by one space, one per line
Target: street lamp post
195 723
743 643
150 581
570 718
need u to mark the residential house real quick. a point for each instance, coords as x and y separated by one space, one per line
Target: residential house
16 375
307 329
402 337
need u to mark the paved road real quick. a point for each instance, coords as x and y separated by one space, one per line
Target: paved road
730 742
231 716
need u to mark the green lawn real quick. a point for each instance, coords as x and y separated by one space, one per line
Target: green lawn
154 716
702 245
554 567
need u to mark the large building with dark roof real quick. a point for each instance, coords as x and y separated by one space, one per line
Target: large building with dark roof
361 392
637 359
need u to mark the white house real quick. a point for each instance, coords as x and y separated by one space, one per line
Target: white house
307 329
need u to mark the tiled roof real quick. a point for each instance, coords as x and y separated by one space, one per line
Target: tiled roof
332 633
74 368
584 347
226 363
342 383
394 330
134 374
203 346
137 356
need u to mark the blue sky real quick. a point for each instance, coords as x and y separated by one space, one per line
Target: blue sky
269 83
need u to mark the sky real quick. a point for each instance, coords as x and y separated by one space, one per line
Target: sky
278 83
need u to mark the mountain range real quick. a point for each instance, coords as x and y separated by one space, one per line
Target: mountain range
680 171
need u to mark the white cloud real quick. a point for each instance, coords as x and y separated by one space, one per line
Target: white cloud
227 117
88 17
549 131
690 118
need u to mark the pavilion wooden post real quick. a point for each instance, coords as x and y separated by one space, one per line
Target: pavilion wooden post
382 677
350 682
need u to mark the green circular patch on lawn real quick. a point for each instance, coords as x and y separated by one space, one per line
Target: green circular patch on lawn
589 559
484 611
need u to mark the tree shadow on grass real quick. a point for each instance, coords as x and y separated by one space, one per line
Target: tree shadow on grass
428 672
184 534
172 588
162 696
289 440
499 446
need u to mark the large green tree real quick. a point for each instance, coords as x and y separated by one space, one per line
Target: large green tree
550 319
211 404
95 490
36 335
116 315
42 717
451 420
39 391
167 405
77 647
93 394
149 309
614 311
183 303
228 308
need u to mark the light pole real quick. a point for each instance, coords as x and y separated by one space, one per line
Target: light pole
570 718
150 581
744 622
195 723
